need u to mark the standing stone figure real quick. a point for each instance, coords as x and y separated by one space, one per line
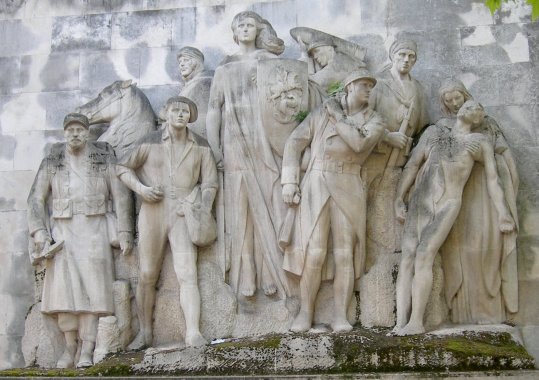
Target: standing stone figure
165 169
400 100
332 197
74 241
251 173
479 262
439 168
197 83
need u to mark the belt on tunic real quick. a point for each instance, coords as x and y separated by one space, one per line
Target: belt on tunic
81 207
336 166
175 192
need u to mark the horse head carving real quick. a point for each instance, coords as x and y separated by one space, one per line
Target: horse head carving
127 110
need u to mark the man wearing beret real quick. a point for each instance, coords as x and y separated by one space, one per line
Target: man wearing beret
164 169
400 100
197 84
78 178
331 199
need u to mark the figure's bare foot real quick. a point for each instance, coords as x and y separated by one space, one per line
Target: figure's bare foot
396 330
195 340
411 329
66 360
269 289
248 290
302 322
341 325
138 343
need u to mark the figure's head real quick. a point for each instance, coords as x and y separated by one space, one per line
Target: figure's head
358 85
248 26
76 131
471 112
403 55
452 94
179 111
322 51
190 62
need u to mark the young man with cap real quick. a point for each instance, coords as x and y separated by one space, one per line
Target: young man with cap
80 178
331 196
164 169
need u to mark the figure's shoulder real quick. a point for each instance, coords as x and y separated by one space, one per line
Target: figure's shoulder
55 155
154 137
199 140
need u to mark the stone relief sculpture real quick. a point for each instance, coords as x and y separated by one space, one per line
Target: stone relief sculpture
74 241
400 99
252 195
331 197
439 169
475 248
127 109
330 59
197 83
173 171
283 95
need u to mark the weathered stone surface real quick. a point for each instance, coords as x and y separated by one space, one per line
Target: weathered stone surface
15 117
74 33
184 26
356 351
377 292
100 69
55 72
13 196
32 146
158 66
147 28
27 36
9 74
57 105
12 9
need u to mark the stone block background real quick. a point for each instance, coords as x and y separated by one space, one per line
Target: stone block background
57 54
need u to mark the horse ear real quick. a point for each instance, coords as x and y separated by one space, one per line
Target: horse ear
126 83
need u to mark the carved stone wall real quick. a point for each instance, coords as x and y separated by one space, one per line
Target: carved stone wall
56 55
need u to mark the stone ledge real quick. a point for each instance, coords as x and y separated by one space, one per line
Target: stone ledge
359 351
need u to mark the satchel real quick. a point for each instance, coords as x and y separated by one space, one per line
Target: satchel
201 224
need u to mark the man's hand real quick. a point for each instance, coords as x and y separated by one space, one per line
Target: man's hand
151 194
40 238
400 210
396 139
506 223
472 147
291 194
126 242
218 156
335 111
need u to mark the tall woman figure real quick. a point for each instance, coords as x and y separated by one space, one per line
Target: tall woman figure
253 203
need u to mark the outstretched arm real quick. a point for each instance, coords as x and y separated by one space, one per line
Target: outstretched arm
408 177
214 117
494 189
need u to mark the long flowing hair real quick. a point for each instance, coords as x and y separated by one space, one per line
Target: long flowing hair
266 37
450 85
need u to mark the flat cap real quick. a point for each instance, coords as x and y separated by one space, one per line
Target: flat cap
182 99
75 117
